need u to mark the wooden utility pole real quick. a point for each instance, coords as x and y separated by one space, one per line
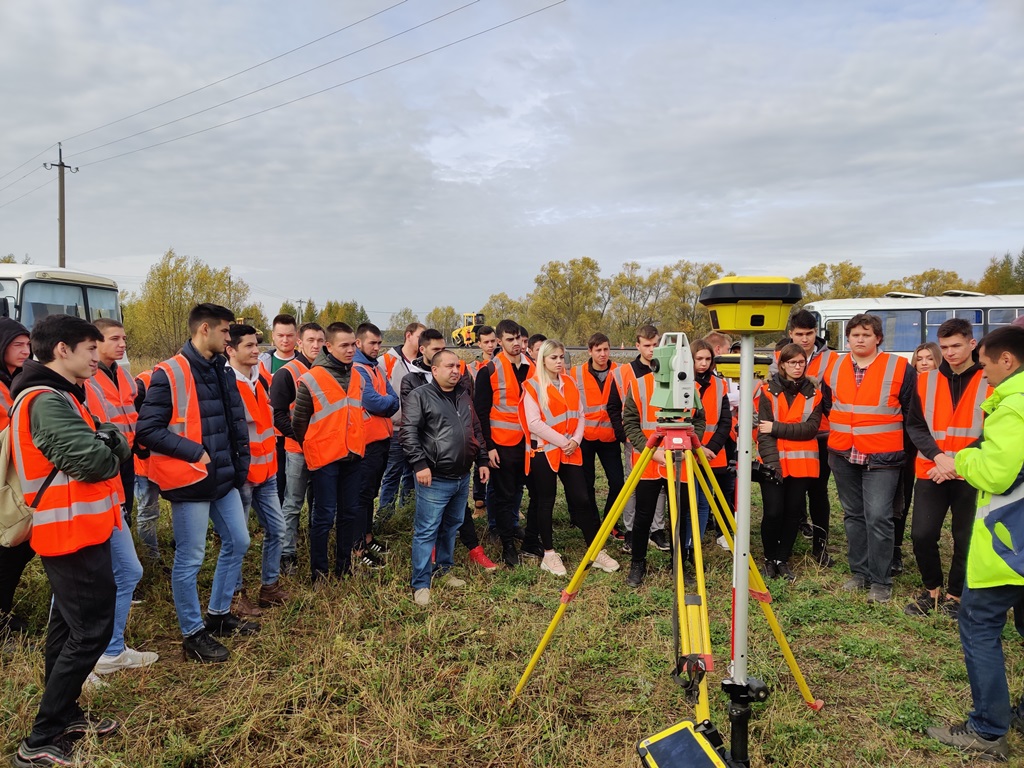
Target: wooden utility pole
60 166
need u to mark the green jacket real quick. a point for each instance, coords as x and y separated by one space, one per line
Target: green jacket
995 466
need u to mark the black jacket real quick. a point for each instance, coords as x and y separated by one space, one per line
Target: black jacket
225 435
9 331
918 429
282 395
439 434
768 444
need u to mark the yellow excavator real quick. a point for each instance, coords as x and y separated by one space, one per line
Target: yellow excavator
466 335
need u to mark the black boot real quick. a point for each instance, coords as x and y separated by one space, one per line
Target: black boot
510 555
226 624
820 554
637 571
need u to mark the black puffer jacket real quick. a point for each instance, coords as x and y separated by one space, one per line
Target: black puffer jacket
768 444
225 436
441 435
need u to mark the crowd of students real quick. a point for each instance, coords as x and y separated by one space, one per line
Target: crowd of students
330 421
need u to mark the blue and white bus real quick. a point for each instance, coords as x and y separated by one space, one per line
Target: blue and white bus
29 292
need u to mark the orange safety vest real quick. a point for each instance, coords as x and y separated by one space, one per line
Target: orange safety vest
296 369
562 414
6 401
140 464
506 428
72 514
376 428
623 376
169 472
259 418
114 403
641 388
953 429
336 427
267 375
799 458
597 424
868 417
820 367
390 361
711 398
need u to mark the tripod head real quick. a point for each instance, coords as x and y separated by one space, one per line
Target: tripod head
673 378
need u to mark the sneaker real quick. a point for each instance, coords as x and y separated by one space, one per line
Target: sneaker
367 559
552 563
129 658
202 647
879 593
784 571
519 533
58 753
823 558
627 543
510 555
603 562
421 596
964 737
94 682
950 608
897 564
273 594
855 582
449 579
771 571
923 605
659 540
227 624
533 549
637 571
723 542
80 726
478 556
806 530
241 605
617 534
377 547
11 623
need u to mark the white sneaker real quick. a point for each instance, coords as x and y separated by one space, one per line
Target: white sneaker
552 563
421 596
723 543
603 562
451 580
94 682
129 658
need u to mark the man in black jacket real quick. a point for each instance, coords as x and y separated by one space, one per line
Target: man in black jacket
441 437
195 385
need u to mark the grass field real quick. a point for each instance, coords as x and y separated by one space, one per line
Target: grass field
357 675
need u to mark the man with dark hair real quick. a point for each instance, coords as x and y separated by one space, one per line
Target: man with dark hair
534 342
994 466
69 467
285 337
398 481
328 424
259 492
945 417
486 342
871 393
193 423
380 403
282 399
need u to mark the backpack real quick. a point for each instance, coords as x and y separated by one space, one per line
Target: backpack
15 511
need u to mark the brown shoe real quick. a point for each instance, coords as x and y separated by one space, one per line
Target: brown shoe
273 594
241 605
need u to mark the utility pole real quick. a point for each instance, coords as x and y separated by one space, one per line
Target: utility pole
60 166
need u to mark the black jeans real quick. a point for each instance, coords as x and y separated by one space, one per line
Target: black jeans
467 531
817 497
783 511
81 623
128 484
507 480
12 564
610 455
544 485
282 474
647 492
336 504
933 499
901 501
371 472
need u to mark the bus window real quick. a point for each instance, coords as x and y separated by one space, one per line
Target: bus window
901 328
936 317
834 338
1003 316
39 299
9 291
103 303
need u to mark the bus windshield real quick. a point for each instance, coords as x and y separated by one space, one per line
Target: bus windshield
39 299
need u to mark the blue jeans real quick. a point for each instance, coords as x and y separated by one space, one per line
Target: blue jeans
440 510
191 521
866 496
982 618
294 498
127 574
147 498
336 500
399 479
263 498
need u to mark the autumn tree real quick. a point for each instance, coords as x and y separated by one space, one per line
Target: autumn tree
444 319
681 309
832 281
349 312
287 308
569 300
500 306
253 315
635 299
401 319
307 312
1003 275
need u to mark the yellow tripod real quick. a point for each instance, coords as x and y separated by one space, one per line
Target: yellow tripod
690 610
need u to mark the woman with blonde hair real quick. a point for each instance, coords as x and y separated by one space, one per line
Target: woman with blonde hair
553 422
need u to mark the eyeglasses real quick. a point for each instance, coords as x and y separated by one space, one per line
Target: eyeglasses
796 363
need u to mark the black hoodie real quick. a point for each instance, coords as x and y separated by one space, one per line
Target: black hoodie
9 331
917 426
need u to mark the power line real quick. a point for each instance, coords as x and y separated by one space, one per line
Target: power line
279 82
21 177
228 77
34 189
13 170
329 88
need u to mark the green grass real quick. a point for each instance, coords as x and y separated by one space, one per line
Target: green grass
357 675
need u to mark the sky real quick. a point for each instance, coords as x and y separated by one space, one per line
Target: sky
436 170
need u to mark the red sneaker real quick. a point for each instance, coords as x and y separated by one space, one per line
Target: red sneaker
478 556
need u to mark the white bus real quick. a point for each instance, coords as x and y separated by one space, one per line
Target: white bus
29 292
910 319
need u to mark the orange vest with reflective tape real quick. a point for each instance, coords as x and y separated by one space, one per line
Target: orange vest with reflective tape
375 428
336 426
798 458
72 514
267 375
952 428
869 416
169 472
6 401
296 369
140 464
390 361
562 414
597 424
506 428
114 404
820 368
711 398
259 418
641 388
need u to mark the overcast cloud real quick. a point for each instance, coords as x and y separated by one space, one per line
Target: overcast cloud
767 137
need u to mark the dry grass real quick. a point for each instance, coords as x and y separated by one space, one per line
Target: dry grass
357 675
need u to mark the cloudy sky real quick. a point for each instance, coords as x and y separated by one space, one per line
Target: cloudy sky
765 136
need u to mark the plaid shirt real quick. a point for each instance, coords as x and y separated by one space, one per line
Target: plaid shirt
856 457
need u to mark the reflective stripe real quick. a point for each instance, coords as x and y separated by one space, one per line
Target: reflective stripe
67 514
792 455
325 407
33 484
179 385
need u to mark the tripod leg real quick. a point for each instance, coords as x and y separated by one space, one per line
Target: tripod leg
581 571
